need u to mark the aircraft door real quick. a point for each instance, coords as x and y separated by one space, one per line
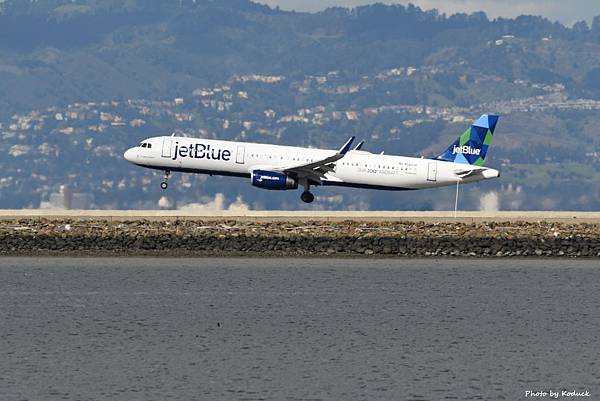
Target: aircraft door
239 157
166 149
432 172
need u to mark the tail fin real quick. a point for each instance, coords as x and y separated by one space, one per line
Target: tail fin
472 146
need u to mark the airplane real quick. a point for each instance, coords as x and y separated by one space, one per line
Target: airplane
277 167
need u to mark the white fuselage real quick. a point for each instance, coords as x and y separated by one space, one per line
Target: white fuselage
354 169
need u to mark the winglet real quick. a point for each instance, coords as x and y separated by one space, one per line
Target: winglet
344 149
360 145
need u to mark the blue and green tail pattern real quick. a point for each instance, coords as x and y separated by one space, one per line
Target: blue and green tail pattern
472 146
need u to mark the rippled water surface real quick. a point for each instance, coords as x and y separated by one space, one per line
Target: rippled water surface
293 329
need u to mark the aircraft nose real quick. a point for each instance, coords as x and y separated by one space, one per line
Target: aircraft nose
129 155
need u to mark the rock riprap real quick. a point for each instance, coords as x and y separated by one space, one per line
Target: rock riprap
280 238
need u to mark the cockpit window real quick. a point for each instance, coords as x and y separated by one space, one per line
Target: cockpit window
149 145
145 145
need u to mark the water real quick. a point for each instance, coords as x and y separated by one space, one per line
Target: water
293 329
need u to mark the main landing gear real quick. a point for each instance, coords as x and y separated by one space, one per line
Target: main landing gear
307 196
164 184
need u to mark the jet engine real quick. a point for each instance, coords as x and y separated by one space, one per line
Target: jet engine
273 180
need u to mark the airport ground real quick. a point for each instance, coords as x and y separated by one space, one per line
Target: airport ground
284 233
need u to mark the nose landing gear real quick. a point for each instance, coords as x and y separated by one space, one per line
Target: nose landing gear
164 184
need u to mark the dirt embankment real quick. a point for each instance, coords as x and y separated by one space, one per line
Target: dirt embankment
313 238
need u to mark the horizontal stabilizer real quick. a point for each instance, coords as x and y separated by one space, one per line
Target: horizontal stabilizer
469 172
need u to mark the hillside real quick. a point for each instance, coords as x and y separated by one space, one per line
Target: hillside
82 81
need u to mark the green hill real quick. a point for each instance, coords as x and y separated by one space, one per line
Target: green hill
406 79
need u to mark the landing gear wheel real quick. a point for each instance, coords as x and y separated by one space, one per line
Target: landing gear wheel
164 184
307 197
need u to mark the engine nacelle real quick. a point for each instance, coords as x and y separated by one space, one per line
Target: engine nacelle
273 180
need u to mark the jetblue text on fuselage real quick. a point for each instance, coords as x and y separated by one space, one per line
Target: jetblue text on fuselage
201 151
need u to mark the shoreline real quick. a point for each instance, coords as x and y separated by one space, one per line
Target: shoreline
199 256
222 237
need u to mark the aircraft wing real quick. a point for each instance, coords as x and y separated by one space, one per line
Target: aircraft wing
315 171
